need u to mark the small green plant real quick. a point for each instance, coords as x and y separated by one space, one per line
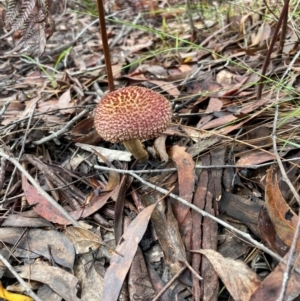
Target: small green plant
43 68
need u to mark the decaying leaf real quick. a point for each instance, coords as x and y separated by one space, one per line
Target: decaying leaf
167 231
125 251
186 178
268 233
282 216
83 240
62 282
42 206
36 242
91 283
238 278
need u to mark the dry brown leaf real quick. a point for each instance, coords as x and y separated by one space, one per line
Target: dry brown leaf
215 104
93 203
17 220
238 278
167 231
167 86
268 234
160 146
242 24
292 45
65 102
42 206
47 211
50 244
125 251
186 179
219 122
281 214
83 240
253 157
262 35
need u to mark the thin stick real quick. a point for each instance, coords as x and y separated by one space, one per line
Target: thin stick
106 51
64 129
168 284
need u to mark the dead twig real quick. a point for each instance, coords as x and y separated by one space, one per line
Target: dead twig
64 129
169 284
4 108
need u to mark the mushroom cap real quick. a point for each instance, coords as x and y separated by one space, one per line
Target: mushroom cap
132 113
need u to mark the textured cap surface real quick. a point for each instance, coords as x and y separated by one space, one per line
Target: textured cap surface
132 113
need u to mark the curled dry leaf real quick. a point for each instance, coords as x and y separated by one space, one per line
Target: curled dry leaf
238 278
83 240
253 157
281 214
262 35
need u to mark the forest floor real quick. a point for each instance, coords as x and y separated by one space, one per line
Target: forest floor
213 213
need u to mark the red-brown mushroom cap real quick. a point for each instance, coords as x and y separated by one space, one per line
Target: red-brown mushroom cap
132 113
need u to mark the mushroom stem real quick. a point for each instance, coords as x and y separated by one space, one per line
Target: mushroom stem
136 147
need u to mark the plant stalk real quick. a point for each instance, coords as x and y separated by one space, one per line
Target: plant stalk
106 51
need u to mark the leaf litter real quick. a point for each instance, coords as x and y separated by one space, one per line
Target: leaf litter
216 154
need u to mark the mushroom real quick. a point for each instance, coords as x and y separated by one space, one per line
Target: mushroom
131 114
